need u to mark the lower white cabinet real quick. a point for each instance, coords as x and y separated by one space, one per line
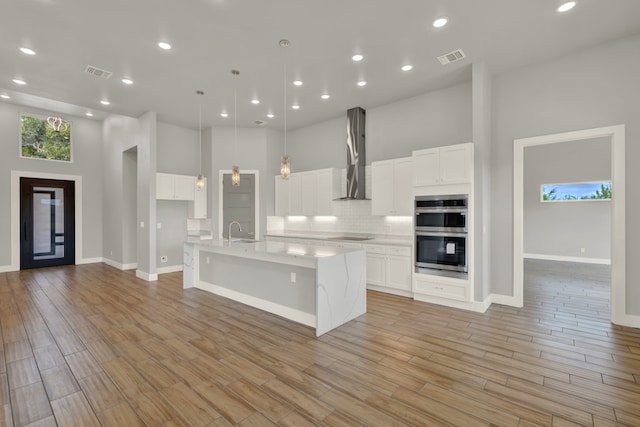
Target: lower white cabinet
389 267
444 287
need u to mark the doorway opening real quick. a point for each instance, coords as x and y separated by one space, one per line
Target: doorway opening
616 137
239 203
47 223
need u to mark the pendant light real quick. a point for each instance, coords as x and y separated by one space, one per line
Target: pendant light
235 175
200 178
285 165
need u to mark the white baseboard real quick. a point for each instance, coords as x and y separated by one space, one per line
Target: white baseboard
271 307
392 291
477 306
170 269
146 276
505 300
119 266
8 268
90 260
630 320
603 261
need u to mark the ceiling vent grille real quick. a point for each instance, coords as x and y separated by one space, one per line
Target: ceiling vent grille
450 57
98 72
259 122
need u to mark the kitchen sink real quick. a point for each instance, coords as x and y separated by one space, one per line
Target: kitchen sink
244 241
355 239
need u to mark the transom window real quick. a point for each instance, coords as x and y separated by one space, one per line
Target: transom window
46 138
576 191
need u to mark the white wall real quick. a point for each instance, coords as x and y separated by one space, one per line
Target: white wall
563 228
433 119
87 163
591 88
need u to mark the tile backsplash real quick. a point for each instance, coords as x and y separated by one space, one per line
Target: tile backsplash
352 216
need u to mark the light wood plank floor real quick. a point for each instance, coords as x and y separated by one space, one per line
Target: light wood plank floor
91 345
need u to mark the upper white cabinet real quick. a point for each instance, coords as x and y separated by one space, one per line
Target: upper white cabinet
391 187
452 164
307 193
175 187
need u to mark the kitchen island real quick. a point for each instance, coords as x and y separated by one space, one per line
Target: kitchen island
318 286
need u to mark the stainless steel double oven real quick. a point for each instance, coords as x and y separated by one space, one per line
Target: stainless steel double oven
441 233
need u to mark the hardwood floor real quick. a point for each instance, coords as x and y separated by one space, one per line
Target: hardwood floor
91 345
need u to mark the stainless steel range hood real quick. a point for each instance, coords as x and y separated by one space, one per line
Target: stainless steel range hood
356 123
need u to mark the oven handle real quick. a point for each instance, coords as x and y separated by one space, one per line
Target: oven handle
440 234
462 211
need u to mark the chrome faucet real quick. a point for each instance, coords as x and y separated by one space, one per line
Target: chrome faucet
229 233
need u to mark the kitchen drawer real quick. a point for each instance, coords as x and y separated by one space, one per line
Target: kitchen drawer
375 249
399 250
445 290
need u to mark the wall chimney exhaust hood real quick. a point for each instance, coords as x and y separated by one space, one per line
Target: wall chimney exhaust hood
356 122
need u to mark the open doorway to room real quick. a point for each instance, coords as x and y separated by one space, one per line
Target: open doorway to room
239 203
569 240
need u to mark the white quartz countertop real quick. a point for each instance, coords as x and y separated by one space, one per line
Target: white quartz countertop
387 240
261 249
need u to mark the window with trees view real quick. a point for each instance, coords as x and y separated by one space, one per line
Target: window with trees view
579 191
45 138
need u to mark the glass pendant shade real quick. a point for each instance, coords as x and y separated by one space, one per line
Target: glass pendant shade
285 167
235 176
200 182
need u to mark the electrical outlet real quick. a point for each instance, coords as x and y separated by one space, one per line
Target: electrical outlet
163 258
582 250
293 277
141 224
110 252
159 225
208 260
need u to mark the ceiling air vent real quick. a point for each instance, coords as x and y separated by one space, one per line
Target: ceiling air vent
98 72
450 57
259 122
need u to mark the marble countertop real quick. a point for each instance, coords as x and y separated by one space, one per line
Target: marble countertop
262 249
387 240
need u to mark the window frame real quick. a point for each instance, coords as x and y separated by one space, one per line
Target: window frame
44 118
542 186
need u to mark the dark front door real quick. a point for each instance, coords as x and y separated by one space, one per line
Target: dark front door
47 223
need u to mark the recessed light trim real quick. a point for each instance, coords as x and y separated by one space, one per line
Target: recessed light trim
19 82
255 101
88 114
225 115
407 67
270 115
362 83
566 6
440 22
27 51
325 96
295 107
127 81
357 57
5 96
104 102
164 45
297 82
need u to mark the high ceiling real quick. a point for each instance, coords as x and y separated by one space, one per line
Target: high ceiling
209 38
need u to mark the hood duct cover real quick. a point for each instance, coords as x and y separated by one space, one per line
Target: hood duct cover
356 186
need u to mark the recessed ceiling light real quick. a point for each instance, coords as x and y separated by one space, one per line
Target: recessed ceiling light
5 96
164 45
362 83
407 67
295 107
104 102
27 51
271 116
357 57
441 22
255 101
225 115
297 83
88 114
566 6
325 96
127 81
19 82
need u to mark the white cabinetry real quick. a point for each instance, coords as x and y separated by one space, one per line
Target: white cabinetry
389 268
391 187
444 287
451 164
307 193
175 187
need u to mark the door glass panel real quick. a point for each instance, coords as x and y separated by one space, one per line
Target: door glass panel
48 223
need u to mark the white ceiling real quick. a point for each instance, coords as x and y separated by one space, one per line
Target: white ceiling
211 37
